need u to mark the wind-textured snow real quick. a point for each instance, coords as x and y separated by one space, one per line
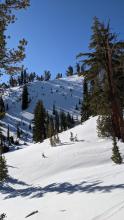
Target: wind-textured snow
76 180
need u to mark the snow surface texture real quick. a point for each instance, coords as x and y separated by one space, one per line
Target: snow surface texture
65 93
76 180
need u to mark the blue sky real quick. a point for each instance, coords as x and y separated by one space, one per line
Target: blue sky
57 30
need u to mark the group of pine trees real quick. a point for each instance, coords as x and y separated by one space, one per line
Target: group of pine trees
46 125
25 77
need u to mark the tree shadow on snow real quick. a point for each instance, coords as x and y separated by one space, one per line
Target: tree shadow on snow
15 188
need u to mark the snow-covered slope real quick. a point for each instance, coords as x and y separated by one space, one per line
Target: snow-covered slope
76 180
65 93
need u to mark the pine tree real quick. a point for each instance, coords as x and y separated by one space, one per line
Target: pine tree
63 121
10 57
85 108
39 129
59 75
25 76
2 108
8 135
69 71
22 78
69 121
51 127
78 69
71 136
57 122
105 60
30 126
47 124
116 156
7 107
54 109
52 141
57 139
3 169
47 75
76 107
18 132
2 216
104 126
1 141
25 98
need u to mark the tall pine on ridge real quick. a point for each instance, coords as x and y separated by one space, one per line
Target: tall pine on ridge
25 97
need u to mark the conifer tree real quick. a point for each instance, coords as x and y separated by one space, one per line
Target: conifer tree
47 124
116 156
106 56
1 141
25 98
69 71
76 107
85 108
9 57
18 131
39 129
69 121
8 135
51 127
57 122
25 76
2 216
2 107
54 109
78 69
47 75
59 75
3 169
71 136
51 131
63 121
30 126
7 107
57 139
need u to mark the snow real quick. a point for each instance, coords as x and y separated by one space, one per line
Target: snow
76 181
65 93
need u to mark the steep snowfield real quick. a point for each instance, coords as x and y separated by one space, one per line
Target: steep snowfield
77 180
65 93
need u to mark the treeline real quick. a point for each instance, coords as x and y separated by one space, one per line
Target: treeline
26 77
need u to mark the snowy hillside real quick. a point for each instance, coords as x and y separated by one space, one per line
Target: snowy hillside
76 180
65 93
